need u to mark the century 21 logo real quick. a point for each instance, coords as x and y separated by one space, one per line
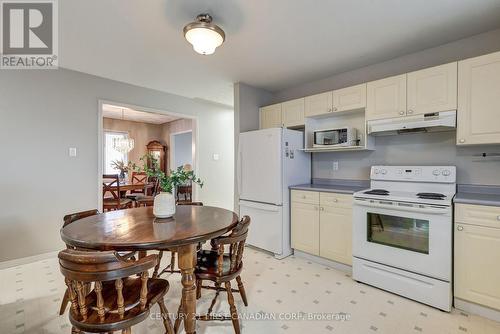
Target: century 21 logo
27 28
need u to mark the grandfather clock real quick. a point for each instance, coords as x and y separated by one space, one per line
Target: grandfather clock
157 150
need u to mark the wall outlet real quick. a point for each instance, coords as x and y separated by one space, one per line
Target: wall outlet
72 151
335 165
215 156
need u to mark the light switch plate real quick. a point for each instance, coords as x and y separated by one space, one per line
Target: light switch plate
72 151
335 165
215 156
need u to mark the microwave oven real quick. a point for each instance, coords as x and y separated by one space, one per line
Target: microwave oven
346 136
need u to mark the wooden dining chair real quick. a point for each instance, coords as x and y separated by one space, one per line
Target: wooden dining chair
138 178
68 219
148 200
171 267
184 193
122 295
111 185
220 267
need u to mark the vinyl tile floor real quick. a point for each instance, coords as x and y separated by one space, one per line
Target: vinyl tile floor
293 295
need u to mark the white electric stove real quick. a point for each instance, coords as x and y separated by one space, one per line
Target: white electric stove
402 232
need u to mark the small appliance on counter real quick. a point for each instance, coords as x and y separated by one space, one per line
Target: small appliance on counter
402 232
346 136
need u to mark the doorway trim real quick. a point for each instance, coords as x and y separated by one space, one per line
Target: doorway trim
100 134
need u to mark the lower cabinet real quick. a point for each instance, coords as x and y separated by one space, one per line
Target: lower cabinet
322 224
305 227
477 254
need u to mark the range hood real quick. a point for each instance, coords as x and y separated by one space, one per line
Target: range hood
432 122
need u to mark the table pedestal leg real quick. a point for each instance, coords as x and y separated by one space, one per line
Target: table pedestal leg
187 262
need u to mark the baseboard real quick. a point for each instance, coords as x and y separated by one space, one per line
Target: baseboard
477 309
321 260
26 260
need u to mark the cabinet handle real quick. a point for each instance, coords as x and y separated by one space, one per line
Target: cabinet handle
460 228
334 109
461 140
334 200
410 111
322 209
401 112
329 109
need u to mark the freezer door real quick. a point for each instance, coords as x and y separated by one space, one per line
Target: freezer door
266 226
260 167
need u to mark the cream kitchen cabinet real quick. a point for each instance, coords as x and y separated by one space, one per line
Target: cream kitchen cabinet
270 116
345 99
349 98
477 254
478 116
386 98
318 104
335 227
432 90
305 227
322 224
425 91
293 112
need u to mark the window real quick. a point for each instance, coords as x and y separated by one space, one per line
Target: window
110 153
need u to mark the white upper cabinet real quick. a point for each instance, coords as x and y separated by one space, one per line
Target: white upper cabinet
432 89
349 98
386 98
318 104
293 112
270 116
478 120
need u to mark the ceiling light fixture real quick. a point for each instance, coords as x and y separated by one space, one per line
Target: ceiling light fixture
204 35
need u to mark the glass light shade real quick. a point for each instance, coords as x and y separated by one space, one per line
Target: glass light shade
204 40
123 145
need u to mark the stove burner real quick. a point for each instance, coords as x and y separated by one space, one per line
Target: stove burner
381 192
431 196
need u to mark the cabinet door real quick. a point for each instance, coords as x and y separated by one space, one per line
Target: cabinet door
270 116
293 112
335 227
349 98
478 116
432 89
305 227
386 98
318 104
477 273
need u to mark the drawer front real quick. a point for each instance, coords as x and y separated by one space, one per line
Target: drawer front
482 215
334 199
302 196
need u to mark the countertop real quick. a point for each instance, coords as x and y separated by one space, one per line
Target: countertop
478 195
334 186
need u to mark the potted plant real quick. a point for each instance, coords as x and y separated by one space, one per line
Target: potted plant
123 168
164 201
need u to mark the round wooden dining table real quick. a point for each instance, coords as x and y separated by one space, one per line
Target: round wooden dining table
139 230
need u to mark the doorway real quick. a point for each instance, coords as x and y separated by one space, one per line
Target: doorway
143 127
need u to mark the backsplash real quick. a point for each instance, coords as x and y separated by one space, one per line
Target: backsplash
413 149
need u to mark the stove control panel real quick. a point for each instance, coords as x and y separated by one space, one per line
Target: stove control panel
439 174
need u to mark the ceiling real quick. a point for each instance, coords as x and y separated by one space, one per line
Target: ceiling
126 114
269 44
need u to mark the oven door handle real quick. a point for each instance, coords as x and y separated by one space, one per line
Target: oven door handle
402 208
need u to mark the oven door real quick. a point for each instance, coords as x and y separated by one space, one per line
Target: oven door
407 236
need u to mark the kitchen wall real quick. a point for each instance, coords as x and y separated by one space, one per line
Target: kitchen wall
142 133
43 113
418 149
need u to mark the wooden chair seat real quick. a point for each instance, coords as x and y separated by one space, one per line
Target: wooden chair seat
145 201
157 288
207 267
122 202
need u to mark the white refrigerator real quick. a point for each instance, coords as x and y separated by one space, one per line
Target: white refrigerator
269 161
